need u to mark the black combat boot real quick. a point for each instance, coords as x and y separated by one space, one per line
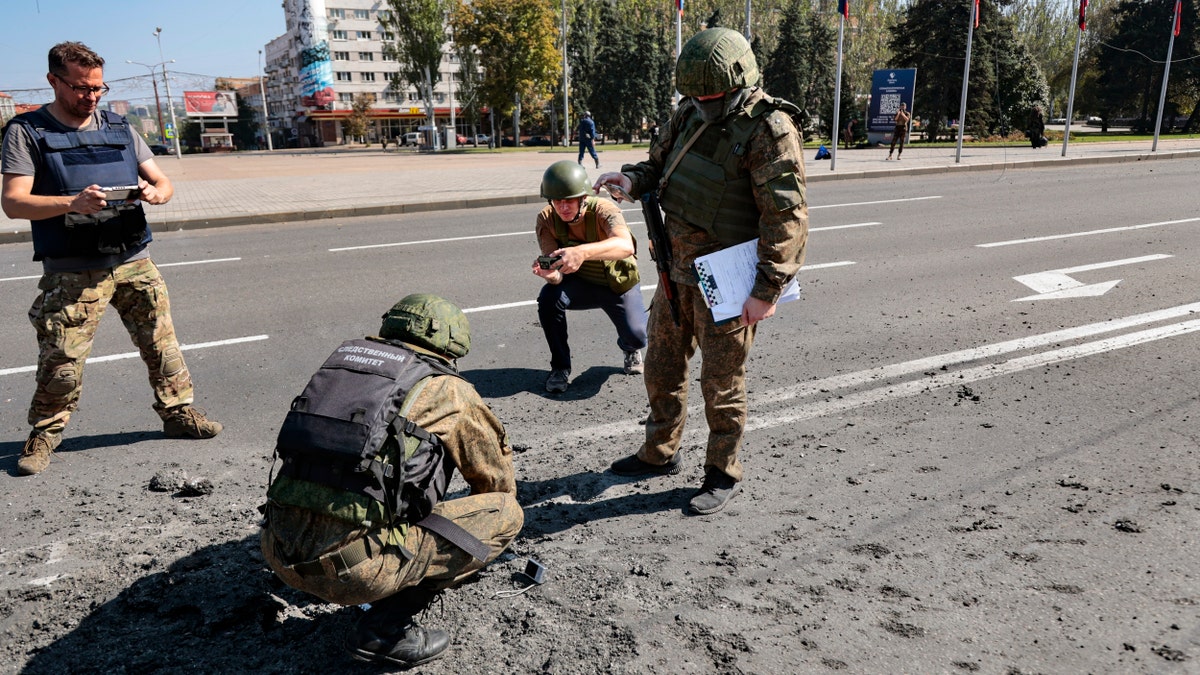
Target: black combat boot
389 633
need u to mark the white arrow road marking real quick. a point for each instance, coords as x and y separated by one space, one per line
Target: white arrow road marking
1056 284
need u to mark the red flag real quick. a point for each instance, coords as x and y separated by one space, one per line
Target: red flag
1178 15
679 6
844 8
977 13
1083 14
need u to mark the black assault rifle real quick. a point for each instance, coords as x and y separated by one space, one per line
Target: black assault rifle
660 250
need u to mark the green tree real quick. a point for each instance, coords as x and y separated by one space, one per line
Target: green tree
356 125
517 43
419 29
803 65
245 129
633 80
1004 81
1132 62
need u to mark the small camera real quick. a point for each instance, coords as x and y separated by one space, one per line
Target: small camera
546 261
535 571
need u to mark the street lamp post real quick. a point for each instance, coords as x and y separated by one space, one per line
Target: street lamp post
167 82
262 88
162 132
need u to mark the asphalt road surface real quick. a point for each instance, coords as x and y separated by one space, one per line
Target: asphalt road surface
972 441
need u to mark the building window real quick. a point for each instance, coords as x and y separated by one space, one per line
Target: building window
414 96
346 97
337 35
363 34
337 13
384 14
362 14
342 76
341 56
387 36
368 77
387 56
366 56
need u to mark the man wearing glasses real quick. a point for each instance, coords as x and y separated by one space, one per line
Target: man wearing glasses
61 165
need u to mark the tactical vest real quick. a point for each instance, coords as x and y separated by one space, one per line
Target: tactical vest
349 452
618 275
73 160
708 188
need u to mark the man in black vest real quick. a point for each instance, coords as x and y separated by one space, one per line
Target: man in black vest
396 566
56 162
728 128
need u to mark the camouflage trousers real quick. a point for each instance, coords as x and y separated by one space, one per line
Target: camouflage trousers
494 518
66 316
724 350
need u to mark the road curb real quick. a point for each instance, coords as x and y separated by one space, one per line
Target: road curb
19 236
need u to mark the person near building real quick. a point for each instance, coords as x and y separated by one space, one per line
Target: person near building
355 543
587 262
57 160
899 130
730 128
586 135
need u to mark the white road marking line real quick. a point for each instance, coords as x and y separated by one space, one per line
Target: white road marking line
881 201
1109 230
648 287
197 262
883 375
131 355
174 264
430 241
841 227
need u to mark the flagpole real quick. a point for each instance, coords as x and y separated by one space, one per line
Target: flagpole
837 94
1162 98
962 108
1071 98
678 41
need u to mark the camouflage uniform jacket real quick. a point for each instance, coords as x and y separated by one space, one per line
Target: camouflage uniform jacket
775 148
475 442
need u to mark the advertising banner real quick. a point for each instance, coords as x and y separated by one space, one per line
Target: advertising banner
308 19
210 103
890 88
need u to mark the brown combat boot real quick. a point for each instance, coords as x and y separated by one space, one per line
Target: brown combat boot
35 456
186 421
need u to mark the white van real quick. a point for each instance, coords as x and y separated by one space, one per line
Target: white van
413 138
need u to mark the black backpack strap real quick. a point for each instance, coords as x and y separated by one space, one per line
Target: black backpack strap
455 534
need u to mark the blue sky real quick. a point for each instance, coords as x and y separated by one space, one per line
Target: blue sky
208 38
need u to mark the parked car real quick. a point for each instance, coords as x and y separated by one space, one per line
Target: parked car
412 138
537 141
1056 120
482 139
160 149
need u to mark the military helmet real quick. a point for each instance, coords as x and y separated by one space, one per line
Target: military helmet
564 180
715 61
430 323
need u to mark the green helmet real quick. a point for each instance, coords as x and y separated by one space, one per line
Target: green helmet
429 323
564 180
715 61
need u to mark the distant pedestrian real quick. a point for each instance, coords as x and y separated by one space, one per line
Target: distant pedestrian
587 138
93 250
899 130
848 133
653 132
1037 128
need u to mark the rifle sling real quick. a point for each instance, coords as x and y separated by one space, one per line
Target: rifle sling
662 182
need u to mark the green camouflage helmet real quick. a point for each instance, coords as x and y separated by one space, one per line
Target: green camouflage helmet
715 61
564 180
430 323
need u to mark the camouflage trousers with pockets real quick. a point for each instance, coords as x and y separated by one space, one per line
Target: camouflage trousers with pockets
723 350
66 316
494 518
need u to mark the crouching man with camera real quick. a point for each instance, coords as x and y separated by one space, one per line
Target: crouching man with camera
588 262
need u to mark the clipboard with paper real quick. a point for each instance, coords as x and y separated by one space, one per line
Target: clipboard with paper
726 278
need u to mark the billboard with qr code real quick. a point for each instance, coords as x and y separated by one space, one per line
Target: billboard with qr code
890 88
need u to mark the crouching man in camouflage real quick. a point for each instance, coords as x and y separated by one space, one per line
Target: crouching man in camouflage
354 516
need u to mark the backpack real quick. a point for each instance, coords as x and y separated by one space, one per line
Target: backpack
348 451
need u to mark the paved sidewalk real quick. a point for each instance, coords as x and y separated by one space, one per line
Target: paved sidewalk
285 185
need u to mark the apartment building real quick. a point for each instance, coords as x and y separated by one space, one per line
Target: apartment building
333 51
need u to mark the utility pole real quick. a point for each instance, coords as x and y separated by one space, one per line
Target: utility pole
162 132
167 82
566 110
262 88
